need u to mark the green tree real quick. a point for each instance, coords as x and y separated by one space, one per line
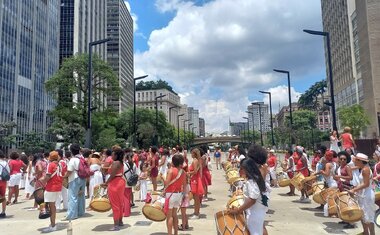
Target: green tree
35 142
6 136
355 117
69 87
308 100
154 85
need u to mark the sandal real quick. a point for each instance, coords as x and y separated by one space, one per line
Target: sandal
182 228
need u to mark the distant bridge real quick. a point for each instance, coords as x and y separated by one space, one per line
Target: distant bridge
218 139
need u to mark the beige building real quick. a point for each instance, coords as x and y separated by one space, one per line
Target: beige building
354 27
170 104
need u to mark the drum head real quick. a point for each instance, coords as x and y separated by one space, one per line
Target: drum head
39 195
351 215
153 213
284 183
318 198
377 218
230 224
100 205
235 201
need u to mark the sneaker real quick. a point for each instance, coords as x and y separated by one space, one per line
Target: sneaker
50 229
306 200
302 198
194 217
3 215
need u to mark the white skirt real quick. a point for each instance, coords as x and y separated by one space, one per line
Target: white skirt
15 180
28 188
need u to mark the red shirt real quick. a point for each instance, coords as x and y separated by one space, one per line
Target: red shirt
177 185
346 139
135 159
15 166
109 160
272 161
55 182
315 160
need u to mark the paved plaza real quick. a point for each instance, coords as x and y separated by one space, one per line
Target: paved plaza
286 216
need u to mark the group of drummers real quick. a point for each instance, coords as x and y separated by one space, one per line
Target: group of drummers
343 183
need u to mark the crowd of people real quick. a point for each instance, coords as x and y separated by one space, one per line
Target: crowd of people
68 177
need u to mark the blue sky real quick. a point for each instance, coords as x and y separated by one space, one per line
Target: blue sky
218 54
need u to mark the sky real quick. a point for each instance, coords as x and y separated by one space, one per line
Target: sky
217 54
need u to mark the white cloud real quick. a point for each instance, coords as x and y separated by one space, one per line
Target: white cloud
224 50
280 97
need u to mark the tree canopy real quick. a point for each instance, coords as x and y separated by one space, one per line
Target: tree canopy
154 85
308 100
355 117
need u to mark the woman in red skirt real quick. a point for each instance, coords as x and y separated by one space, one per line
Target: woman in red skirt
115 185
196 185
206 175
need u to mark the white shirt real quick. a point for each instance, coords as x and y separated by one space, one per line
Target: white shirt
73 166
2 165
251 190
241 157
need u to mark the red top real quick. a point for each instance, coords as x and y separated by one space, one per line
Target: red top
177 186
55 182
272 161
155 159
347 142
315 160
300 165
135 159
63 166
15 166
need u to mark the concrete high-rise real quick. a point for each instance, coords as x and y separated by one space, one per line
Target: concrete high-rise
202 127
29 42
120 52
354 32
255 122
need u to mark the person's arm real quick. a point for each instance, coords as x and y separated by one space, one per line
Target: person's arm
162 161
290 164
168 178
114 169
326 171
195 167
366 181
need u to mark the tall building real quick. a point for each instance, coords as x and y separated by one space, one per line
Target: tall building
82 22
193 124
29 55
120 52
354 31
236 128
202 127
265 117
169 104
284 113
182 120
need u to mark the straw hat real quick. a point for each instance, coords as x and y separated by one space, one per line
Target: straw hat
361 157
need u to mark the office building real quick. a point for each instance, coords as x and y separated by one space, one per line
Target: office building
236 128
193 124
169 104
29 55
202 127
354 31
284 114
120 52
255 122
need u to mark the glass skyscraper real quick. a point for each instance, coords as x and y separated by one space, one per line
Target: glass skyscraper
29 55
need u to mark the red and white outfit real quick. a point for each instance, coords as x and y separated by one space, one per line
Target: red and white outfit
174 190
272 162
54 185
15 165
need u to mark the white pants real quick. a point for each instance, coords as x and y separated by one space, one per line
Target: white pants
62 198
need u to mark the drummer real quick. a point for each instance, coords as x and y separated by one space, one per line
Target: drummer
328 173
272 163
290 171
303 168
366 195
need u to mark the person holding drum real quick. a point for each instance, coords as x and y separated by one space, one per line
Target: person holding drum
195 174
174 184
365 193
272 163
290 171
255 201
115 188
344 172
303 168
153 166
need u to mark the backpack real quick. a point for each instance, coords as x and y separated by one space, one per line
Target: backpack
133 178
5 176
84 169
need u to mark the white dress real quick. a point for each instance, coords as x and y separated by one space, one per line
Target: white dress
95 179
143 186
334 144
366 201
255 214
355 173
29 188
164 168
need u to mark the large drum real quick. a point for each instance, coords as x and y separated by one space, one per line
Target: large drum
348 208
226 165
232 175
297 181
227 224
332 206
329 192
283 179
38 195
317 189
154 211
236 200
100 202
308 184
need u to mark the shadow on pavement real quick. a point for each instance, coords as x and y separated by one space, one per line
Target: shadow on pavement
270 211
310 209
107 227
60 226
286 195
334 228
320 214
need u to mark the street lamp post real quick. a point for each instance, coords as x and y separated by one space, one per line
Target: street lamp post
134 108
270 107
89 81
327 35
179 115
253 126
261 125
290 101
184 130
247 126
156 134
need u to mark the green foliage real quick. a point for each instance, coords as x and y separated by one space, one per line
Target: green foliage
355 117
6 136
308 100
34 143
153 85
69 87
